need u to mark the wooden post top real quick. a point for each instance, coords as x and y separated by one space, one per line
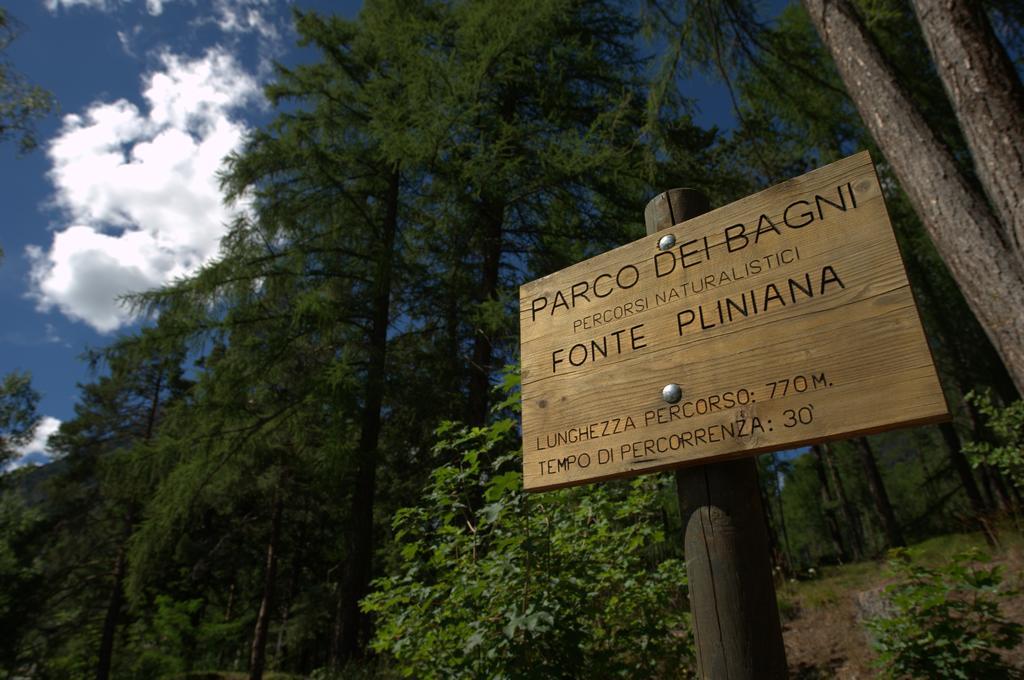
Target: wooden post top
674 206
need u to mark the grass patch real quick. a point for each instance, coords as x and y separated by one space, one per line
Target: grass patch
833 583
836 582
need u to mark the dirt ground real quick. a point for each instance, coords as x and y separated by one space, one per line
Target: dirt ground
825 639
828 642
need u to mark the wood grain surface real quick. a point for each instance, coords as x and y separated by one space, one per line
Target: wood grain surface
785 317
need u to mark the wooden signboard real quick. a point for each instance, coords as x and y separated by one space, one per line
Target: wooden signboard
785 318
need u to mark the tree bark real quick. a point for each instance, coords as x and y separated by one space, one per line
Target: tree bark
258 653
893 535
358 570
492 216
1002 489
114 603
852 519
829 501
774 547
963 469
958 218
116 598
988 99
986 486
777 485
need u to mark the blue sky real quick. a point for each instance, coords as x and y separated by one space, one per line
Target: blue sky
121 194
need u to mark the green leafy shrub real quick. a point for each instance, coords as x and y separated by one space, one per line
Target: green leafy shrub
1006 453
945 622
498 584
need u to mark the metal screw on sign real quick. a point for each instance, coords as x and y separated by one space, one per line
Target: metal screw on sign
672 393
666 242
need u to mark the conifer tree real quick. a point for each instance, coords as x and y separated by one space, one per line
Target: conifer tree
431 156
96 492
908 117
18 417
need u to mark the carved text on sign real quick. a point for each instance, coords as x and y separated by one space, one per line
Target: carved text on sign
785 317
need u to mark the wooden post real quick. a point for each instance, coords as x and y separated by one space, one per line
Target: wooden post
732 595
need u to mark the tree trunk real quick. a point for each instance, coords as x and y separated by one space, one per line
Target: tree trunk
258 653
931 494
986 486
1002 488
963 469
357 573
455 369
893 535
782 511
957 216
988 99
954 446
114 603
828 506
280 648
990 475
116 599
279 645
228 613
852 519
492 217
774 547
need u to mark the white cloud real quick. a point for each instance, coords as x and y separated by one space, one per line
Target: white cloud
232 16
51 334
154 7
244 16
102 5
35 452
139 190
263 21
128 38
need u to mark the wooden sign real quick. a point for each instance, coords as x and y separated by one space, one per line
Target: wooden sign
785 318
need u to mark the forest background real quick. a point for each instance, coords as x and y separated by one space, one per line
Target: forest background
307 462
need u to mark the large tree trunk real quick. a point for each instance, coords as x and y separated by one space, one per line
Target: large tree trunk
228 613
988 100
829 502
777 485
893 535
116 599
963 468
1003 489
492 217
258 652
849 512
114 603
957 216
774 548
986 486
352 624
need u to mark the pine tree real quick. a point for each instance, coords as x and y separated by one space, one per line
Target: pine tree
18 417
908 118
95 494
432 155
21 104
